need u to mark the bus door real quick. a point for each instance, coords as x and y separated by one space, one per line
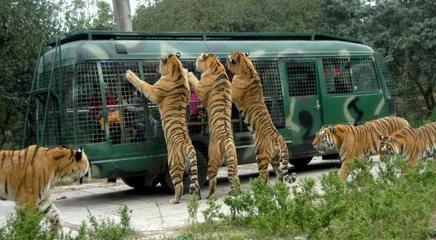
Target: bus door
300 78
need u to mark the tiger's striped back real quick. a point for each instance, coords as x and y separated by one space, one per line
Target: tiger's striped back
358 141
171 93
411 143
248 97
214 90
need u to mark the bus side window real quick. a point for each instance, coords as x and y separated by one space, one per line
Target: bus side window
337 75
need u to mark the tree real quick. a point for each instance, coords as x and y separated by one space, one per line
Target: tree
24 25
402 31
228 16
79 16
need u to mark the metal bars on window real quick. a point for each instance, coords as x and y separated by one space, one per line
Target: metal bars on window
350 75
268 71
301 78
126 114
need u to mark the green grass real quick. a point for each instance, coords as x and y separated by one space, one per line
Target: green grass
29 224
394 204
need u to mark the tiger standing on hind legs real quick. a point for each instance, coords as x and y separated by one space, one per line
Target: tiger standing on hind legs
26 176
214 91
247 94
171 94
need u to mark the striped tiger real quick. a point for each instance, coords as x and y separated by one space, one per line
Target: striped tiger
356 141
171 94
26 176
214 91
411 143
247 94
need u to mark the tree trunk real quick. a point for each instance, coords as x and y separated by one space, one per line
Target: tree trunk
122 14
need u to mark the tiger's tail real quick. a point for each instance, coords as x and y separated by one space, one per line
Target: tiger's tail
190 154
284 164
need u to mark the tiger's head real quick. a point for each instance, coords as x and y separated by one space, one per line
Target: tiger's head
316 143
170 65
328 139
68 162
208 61
389 145
238 63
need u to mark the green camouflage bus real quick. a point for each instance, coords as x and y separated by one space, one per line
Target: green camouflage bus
80 97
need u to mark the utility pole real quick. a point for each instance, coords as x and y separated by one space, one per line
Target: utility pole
122 15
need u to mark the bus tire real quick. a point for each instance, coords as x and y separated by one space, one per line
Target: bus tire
138 182
300 163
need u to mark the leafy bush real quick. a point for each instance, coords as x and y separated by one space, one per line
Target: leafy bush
417 122
107 229
212 212
392 204
192 206
29 224
26 224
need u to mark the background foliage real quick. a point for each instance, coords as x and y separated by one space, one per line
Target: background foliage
401 31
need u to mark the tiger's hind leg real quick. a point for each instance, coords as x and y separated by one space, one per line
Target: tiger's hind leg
51 212
212 169
176 168
263 161
191 156
276 167
232 160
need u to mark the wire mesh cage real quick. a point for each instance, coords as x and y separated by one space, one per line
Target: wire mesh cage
301 78
98 105
350 75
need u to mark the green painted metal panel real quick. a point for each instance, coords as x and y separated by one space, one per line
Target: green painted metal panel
351 92
300 80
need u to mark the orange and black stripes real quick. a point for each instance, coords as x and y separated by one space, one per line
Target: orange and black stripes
411 143
171 93
357 141
27 175
214 90
247 92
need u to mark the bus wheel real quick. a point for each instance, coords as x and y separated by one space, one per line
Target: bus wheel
138 182
202 176
300 163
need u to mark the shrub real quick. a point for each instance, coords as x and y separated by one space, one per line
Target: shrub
192 206
392 204
29 224
212 212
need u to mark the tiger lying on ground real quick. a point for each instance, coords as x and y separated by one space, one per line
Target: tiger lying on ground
247 94
356 141
411 143
214 91
171 94
27 175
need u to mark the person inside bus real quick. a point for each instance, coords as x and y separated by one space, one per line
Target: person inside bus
342 79
197 114
135 114
96 109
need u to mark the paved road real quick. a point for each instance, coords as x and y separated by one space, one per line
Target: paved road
152 214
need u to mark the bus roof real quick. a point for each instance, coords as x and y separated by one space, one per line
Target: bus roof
205 36
98 45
